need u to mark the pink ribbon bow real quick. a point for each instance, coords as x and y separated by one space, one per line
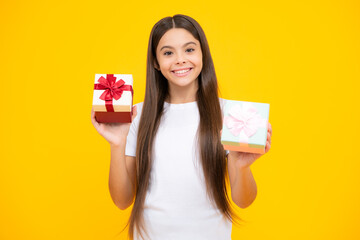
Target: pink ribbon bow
243 119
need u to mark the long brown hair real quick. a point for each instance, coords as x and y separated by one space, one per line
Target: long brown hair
212 154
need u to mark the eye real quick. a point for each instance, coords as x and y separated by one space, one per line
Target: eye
190 50
167 53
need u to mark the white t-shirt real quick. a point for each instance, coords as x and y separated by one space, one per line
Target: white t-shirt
176 205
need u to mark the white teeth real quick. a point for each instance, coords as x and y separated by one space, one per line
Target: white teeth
182 71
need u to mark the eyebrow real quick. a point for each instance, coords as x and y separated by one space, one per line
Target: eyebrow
173 47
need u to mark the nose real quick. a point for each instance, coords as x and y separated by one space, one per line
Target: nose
181 59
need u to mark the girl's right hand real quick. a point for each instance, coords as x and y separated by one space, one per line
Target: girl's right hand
114 133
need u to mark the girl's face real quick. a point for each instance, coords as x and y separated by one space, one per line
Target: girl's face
180 58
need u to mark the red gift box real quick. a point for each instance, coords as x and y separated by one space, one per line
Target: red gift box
113 98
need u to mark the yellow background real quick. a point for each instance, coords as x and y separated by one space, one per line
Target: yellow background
302 57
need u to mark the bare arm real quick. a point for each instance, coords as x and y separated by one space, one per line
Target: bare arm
242 182
122 168
243 185
122 176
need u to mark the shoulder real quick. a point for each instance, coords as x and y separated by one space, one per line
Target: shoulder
222 102
131 139
139 107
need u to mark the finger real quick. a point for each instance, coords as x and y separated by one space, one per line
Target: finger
269 138
270 129
93 120
267 147
134 114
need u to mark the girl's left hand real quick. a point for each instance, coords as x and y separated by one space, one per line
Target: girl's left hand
243 159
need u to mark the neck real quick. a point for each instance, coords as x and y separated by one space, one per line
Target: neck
179 95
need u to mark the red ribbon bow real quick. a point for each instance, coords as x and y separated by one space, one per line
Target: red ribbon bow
112 89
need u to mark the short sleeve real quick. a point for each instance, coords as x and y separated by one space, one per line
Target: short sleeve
222 105
131 140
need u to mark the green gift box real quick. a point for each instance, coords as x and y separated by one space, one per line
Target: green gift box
245 126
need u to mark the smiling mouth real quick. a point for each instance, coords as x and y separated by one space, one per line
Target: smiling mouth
182 72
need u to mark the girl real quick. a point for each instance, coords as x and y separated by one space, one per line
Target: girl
170 161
